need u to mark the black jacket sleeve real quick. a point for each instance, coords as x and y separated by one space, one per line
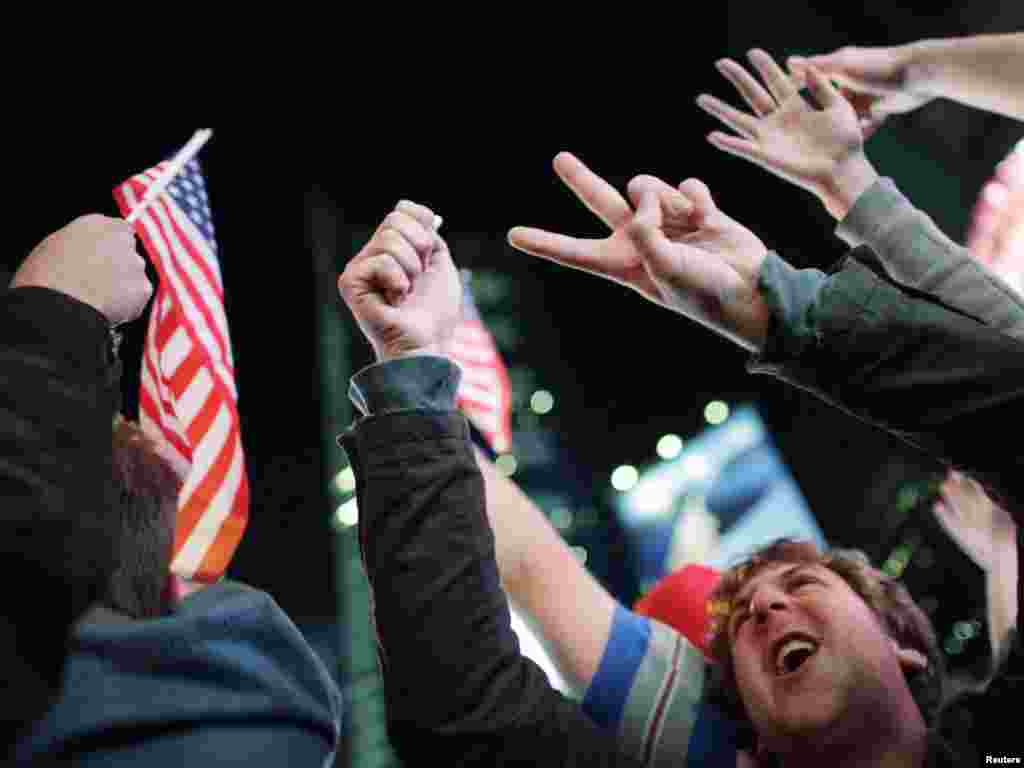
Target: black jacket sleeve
458 691
59 387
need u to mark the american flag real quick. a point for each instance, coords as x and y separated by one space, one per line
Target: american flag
484 395
188 396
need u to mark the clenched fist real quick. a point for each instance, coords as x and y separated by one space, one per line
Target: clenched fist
402 287
92 259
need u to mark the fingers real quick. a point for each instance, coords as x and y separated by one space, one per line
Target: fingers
379 273
392 243
847 66
645 228
997 221
603 200
833 64
741 122
418 212
752 92
407 234
823 90
982 238
419 235
697 192
740 147
778 82
575 252
674 204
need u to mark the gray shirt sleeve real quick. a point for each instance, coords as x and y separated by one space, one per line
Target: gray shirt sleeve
917 254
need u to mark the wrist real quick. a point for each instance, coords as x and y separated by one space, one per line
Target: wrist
384 354
922 64
852 177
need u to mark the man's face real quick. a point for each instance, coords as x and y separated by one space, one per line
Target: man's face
811 659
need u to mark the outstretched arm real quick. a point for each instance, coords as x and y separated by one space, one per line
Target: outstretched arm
896 358
456 685
60 389
822 151
987 535
983 71
546 580
673 246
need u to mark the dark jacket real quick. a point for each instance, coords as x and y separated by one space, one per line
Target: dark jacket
226 679
456 685
58 392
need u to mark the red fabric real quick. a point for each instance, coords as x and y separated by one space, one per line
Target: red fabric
681 599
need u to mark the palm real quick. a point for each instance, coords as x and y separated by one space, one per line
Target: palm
786 135
810 143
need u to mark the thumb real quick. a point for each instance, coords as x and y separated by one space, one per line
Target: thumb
845 66
822 88
799 65
697 192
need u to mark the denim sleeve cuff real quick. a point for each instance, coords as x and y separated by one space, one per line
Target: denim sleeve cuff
406 383
871 214
792 296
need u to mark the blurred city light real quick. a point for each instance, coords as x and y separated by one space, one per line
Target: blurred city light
670 446
716 412
542 402
347 514
345 481
624 477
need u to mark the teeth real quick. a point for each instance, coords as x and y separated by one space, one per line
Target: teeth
796 644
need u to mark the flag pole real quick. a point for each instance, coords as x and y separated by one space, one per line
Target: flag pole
199 138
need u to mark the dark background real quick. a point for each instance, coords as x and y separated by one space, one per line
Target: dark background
475 143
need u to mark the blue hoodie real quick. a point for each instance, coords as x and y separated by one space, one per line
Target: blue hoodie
227 679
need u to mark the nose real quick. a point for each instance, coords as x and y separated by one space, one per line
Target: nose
765 600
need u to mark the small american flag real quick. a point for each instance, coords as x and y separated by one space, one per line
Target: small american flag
484 395
188 396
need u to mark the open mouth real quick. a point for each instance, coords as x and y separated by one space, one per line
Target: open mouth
791 652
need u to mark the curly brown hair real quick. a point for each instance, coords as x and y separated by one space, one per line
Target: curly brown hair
904 621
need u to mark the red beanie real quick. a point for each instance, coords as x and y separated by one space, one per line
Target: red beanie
681 600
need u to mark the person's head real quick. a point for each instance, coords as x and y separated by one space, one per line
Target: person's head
147 485
817 648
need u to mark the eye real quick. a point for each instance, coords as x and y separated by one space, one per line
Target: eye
801 580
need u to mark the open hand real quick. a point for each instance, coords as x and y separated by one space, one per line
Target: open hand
973 520
820 150
880 81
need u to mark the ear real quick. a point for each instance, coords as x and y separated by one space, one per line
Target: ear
910 660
